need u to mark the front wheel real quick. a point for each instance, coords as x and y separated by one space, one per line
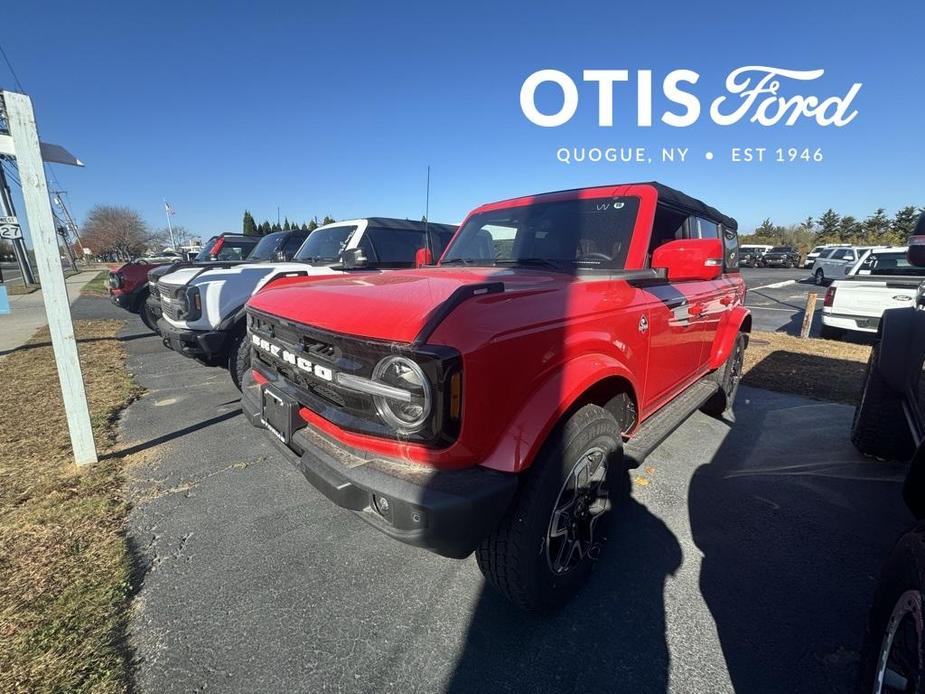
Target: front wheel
543 549
239 358
879 427
893 652
147 317
819 277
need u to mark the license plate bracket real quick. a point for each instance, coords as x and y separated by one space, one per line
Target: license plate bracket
280 414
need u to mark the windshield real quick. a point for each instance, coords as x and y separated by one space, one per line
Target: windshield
570 234
780 249
324 245
817 249
889 263
230 249
268 247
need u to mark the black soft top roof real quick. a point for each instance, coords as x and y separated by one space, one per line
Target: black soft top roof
408 224
676 198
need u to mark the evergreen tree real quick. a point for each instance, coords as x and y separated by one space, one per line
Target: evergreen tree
850 230
265 228
328 219
828 227
286 226
312 224
276 227
877 228
250 226
903 224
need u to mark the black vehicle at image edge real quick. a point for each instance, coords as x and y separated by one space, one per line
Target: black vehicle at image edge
889 424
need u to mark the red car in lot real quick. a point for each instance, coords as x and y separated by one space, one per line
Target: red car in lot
483 403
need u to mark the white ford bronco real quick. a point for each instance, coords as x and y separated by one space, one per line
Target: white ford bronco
203 309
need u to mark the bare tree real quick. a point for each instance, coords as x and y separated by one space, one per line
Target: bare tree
116 231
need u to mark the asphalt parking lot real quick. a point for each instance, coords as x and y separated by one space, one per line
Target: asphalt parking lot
743 558
777 298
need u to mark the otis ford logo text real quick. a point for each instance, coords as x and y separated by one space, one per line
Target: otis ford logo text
763 95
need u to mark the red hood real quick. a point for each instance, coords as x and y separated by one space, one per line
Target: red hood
392 305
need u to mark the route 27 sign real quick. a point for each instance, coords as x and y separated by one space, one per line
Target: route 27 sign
10 229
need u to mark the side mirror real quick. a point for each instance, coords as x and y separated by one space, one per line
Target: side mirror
423 257
690 259
353 259
916 253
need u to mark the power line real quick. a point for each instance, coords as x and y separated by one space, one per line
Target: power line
10 66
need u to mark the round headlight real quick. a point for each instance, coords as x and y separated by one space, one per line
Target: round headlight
405 415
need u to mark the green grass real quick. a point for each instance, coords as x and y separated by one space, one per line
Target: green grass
97 286
65 570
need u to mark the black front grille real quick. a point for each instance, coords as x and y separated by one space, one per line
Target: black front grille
345 354
154 290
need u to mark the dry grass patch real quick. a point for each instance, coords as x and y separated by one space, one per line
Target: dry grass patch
18 288
64 567
820 369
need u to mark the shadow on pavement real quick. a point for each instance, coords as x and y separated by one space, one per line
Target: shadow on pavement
170 436
80 341
792 536
610 637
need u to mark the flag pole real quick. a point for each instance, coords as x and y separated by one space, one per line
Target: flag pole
173 241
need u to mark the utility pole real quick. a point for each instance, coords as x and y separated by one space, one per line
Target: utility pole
427 201
169 211
19 244
71 224
22 142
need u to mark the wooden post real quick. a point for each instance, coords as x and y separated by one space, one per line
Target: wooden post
21 120
808 314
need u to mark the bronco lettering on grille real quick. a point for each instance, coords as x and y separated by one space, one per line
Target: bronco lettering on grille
295 360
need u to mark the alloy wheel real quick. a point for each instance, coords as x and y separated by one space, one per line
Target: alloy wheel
899 665
581 502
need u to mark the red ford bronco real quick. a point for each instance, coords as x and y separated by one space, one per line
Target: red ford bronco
480 404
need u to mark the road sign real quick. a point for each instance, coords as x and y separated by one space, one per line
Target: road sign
10 229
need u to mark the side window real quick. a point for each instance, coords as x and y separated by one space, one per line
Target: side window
731 249
839 254
393 247
233 251
704 229
667 226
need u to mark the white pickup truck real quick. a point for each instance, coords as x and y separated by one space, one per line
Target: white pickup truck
203 309
881 279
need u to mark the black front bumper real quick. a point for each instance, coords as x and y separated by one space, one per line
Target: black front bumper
446 512
205 344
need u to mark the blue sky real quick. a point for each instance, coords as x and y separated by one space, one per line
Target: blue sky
338 109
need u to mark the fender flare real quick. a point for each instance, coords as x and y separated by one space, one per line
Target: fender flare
739 319
562 388
236 316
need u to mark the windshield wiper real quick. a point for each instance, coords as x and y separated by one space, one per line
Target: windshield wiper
460 261
531 262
